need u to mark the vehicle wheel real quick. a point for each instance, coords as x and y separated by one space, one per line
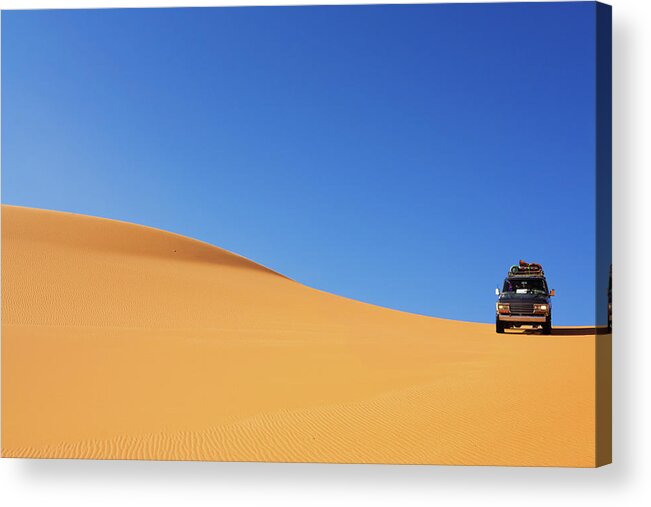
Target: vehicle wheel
499 326
547 326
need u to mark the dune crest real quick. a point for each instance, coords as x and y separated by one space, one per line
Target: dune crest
122 342
85 233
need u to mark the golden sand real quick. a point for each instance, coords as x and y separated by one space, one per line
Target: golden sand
125 342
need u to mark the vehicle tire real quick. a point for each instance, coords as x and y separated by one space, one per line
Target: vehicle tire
499 326
547 326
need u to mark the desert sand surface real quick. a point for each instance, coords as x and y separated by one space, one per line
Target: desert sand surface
125 342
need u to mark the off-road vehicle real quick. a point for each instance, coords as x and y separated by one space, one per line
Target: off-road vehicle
524 299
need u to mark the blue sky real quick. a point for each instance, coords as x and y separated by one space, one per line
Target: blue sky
400 155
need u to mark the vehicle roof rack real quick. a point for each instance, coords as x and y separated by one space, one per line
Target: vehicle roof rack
524 269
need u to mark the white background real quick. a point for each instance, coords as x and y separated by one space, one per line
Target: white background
626 482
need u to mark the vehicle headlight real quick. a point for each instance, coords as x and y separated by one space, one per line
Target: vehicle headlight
503 308
540 308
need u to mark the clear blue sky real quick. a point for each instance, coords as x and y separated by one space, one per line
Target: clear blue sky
368 151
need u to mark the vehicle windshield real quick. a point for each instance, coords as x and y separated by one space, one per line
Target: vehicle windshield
525 286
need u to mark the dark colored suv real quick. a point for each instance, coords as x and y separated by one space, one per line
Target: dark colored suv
524 299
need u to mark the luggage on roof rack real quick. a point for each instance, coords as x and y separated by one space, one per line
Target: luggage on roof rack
526 269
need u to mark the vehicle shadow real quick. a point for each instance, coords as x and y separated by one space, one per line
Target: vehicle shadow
563 331
579 331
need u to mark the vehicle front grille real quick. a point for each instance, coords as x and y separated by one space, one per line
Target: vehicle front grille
521 308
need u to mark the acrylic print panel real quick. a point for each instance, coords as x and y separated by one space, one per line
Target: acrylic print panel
347 234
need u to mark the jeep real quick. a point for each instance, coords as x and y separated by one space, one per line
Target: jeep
524 299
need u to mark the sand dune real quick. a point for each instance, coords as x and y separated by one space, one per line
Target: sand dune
122 341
